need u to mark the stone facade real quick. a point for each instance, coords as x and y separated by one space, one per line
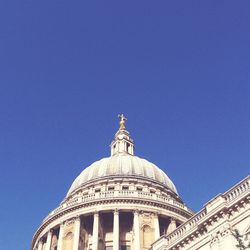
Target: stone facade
213 227
135 216
127 203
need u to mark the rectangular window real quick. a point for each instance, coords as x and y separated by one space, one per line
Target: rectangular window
127 146
125 188
125 247
109 248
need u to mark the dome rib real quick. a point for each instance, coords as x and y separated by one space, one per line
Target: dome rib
125 165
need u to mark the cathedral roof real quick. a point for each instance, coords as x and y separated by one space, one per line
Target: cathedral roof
122 163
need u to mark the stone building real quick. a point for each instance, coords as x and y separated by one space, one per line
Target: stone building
213 228
124 202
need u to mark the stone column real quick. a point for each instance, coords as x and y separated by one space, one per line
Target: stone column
136 231
172 226
116 230
157 227
77 227
60 238
48 241
95 236
40 244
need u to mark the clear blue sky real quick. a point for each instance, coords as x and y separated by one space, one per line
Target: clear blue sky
179 70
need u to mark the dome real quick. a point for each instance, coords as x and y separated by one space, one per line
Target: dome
124 165
115 203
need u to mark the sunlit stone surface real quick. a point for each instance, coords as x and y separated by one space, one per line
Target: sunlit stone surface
124 202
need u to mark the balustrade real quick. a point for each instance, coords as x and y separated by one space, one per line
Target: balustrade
238 190
186 227
117 193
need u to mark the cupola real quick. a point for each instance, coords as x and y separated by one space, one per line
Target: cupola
122 143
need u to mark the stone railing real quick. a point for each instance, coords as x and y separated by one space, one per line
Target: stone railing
228 197
237 190
122 194
188 226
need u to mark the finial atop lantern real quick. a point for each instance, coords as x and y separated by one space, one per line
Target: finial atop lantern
122 143
123 119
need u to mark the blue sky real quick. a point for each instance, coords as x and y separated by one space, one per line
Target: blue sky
179 71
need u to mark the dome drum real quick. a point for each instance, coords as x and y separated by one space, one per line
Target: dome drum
145 209
126 194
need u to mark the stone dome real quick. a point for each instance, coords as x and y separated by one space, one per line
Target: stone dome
124 165
115 203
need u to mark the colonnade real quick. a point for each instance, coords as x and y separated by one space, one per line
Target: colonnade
95 233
